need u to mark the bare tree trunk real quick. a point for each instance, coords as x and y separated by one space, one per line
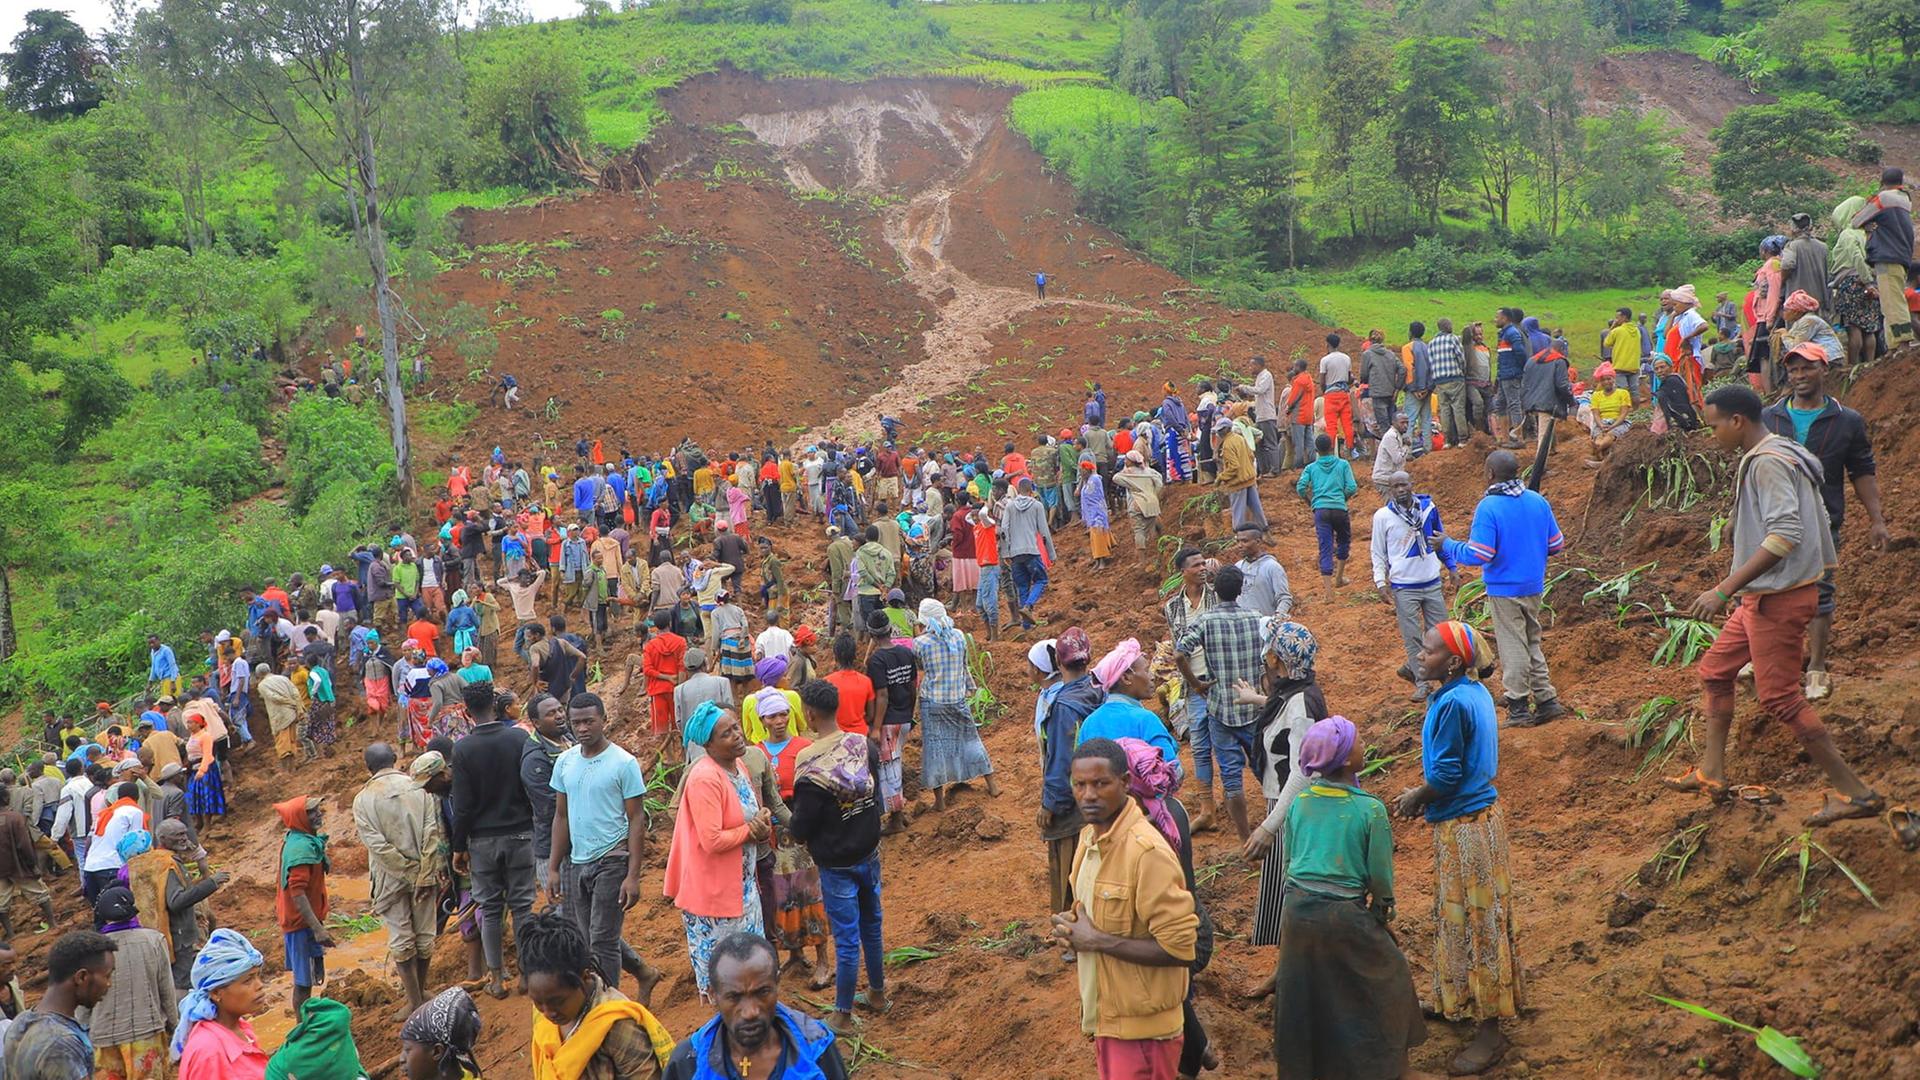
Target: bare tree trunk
376 240
9 641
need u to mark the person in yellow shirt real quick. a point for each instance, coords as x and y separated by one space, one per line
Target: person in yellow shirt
703 484
1607 409
1623 352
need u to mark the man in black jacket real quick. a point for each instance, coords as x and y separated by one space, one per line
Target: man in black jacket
492 835
836 813
1838 437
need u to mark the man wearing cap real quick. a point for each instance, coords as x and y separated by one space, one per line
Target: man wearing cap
1238 477
1887 219
1803 264
1837 436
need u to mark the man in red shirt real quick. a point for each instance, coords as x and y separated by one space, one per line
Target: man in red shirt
886 466
856 689
274 594
1299 411
300 902
663 660
1014 464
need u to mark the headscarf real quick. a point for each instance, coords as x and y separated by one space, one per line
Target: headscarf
1150 778
1774 245
933 616
1293 645
437 666
1041 656
1604 371
226 958
701 724
1800 302
1849 251
768 701
320 1046
770 669
301 845
1072 648
136 842
427 765
460 597
1115 664
114 910
450 1020
804 635
1327 746
1685 295
1463 641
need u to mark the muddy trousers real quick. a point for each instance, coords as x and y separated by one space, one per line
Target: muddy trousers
591 893
1516 634
1891 280
503 879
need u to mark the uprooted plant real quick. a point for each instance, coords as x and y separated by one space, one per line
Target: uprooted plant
1772 1042
1801 848
1660 727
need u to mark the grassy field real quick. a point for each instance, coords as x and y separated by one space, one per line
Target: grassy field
1582 314
137 345
1048 35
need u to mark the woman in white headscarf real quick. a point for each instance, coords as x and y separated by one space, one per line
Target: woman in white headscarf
950 748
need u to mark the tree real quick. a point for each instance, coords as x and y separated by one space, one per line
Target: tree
1766 158
1874 23
1629 162
358 91
1441 89
1553 40
1354 82
525 108
50 70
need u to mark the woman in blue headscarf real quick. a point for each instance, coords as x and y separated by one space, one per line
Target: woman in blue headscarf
717 832
214 1040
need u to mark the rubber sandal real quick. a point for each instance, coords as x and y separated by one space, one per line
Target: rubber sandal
1819 686
862 1001
1694 780
1905 822
1838 807
1757 795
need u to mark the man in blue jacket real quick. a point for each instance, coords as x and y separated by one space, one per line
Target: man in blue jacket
1060 819
1513 533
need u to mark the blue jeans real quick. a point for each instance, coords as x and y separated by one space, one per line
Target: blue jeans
1233 747
987 595
851 895
1419 410
1198 734
1029 582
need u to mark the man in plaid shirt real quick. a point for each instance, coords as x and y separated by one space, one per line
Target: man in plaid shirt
1230 637
1447 359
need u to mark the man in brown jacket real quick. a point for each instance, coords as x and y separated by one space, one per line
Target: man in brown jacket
1133 926
1237 475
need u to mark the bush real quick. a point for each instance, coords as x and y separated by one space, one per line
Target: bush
185 439
330 440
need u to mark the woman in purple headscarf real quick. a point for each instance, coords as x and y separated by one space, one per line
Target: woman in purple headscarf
1343 1002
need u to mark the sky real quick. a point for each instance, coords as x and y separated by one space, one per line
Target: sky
97 15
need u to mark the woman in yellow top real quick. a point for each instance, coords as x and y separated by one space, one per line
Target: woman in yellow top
1607 409
771 672
583 1029
789 479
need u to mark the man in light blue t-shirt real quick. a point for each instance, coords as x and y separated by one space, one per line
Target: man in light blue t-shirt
599 823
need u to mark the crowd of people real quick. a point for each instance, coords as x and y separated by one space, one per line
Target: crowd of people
492 788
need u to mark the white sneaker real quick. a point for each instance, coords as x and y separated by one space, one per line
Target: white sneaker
1746 671
1819 686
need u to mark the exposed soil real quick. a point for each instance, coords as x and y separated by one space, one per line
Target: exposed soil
941 330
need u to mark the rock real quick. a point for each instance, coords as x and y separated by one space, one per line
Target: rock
1628 909
991 828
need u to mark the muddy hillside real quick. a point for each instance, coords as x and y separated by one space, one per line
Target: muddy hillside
817 254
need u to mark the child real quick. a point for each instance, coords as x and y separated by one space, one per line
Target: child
300 904
1670 397
1326 485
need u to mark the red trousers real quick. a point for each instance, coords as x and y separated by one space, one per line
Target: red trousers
1769 629
662 710
1138 1059
1336 414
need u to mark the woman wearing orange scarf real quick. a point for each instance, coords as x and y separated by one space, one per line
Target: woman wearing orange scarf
583 1028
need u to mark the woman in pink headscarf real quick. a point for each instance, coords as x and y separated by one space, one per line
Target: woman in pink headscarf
1344 1003
1124 675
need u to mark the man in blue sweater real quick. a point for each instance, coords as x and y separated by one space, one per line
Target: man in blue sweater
1513 533
1060 819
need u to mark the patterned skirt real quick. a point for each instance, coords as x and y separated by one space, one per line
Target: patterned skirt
418 710
800 916
141 1059
322 728
1476 969
736 657
705 931
893 741
207 794
1853 308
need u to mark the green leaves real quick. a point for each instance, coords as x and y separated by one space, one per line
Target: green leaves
1777 1045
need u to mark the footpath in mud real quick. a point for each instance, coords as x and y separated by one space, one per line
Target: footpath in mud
816 254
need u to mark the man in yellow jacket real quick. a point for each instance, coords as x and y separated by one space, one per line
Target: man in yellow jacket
1133 927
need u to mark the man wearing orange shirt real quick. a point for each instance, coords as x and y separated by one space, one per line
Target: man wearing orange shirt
663 662
856 689
1299 414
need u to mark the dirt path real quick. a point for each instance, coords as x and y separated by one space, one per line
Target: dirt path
918 230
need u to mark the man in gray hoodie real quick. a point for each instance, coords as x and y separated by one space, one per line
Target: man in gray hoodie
1023 536
1384 375
1781 549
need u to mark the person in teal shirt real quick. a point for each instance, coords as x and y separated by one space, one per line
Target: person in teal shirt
1126 677
1344 1003
1326 485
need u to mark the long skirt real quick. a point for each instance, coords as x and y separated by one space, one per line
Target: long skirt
453 722
1853 309
141 1059
966 575
800 914
207 794
1476 969
736 659
379 694
893 741
770 499
322 728
1343 1002
705 931
418 725
950 746
1100 542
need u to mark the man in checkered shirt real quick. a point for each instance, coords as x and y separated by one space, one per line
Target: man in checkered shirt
1230 636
